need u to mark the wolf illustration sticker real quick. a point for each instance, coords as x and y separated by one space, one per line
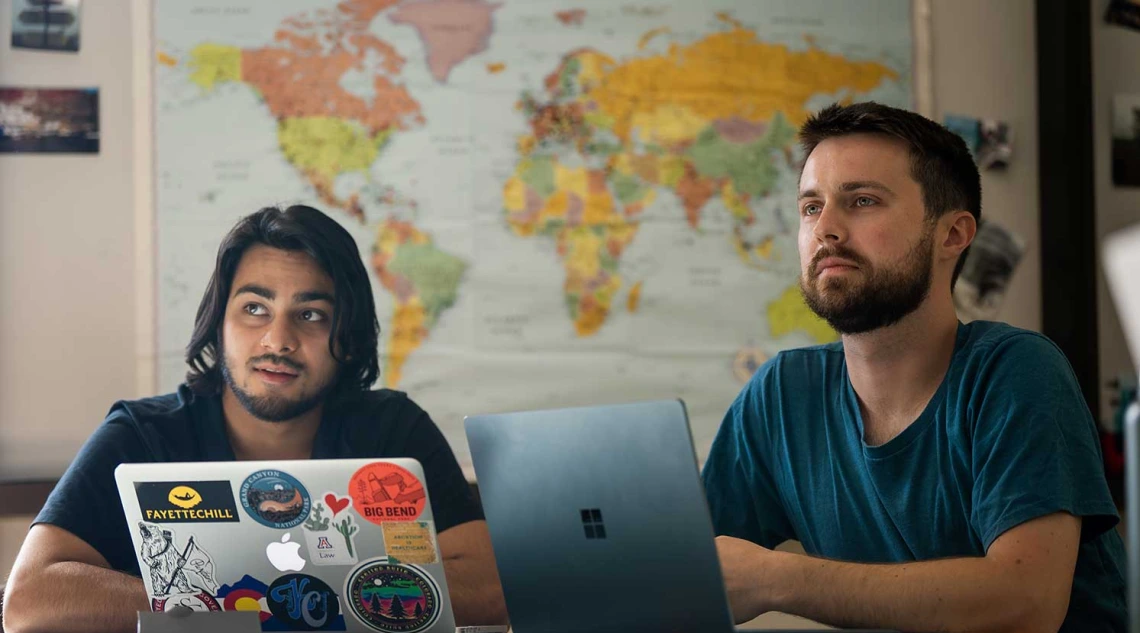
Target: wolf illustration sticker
330 538
175 569
392 598
386 492
275 499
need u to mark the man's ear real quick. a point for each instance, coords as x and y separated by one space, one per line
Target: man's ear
960 229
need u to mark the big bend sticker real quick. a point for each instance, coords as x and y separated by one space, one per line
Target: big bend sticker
383 492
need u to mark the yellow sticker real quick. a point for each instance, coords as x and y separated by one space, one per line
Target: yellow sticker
409 542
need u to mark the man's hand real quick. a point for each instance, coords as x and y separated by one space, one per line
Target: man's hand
743 565
1023 583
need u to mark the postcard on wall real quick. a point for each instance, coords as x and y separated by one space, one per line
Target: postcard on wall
1126 140
46 24
59 120
987 271
989 141
1124 12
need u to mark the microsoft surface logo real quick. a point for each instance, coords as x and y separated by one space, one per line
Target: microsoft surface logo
592 523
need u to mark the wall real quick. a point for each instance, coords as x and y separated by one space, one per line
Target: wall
1116 70
75 262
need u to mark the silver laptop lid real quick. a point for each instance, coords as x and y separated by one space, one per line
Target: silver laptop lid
599 520
1122 272
344 544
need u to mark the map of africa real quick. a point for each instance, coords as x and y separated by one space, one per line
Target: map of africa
561 203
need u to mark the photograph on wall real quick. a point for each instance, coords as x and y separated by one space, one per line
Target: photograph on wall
1124 12
49 120
1126 140
46 24
989 141
990 263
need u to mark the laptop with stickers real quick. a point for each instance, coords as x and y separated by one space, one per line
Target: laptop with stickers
598 519
312 545
1121 263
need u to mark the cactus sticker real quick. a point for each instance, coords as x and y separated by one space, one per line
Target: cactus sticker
329 531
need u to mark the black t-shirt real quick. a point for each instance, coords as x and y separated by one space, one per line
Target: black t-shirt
184 427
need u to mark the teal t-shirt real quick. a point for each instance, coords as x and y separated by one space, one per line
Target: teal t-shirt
1005 439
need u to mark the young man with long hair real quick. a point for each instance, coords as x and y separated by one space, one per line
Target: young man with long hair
282 361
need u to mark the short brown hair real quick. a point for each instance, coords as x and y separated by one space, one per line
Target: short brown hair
940 162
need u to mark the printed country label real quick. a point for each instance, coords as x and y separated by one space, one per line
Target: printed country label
386 492
275 499
187 501
392 598
330 530
305 603
410 542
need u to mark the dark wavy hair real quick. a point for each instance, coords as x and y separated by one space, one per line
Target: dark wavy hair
940 162
355 330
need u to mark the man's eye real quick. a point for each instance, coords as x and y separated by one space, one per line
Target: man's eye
254 309
812 209
312 316
864 201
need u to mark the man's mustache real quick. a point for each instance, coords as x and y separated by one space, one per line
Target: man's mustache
834 251
277 360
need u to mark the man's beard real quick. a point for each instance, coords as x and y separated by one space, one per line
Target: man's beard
273 408
882 299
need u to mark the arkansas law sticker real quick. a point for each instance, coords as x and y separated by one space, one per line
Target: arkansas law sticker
329 531
386 492
275 499
187 501
305 603
410 541
392 598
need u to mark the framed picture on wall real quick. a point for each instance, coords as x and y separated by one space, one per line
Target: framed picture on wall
1126 140
49 120
46 24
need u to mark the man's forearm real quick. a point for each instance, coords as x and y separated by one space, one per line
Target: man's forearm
75 597
476 596
958 594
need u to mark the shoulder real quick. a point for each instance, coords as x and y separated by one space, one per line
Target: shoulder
785 378
993 350
795 368
156 409
169 425
381 420
388 405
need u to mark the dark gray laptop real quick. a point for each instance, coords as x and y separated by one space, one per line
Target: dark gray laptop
599 520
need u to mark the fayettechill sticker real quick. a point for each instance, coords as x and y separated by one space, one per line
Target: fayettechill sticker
187 501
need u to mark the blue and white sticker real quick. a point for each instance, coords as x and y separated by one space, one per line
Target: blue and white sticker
275 499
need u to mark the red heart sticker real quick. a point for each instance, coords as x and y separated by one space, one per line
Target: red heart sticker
336 504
